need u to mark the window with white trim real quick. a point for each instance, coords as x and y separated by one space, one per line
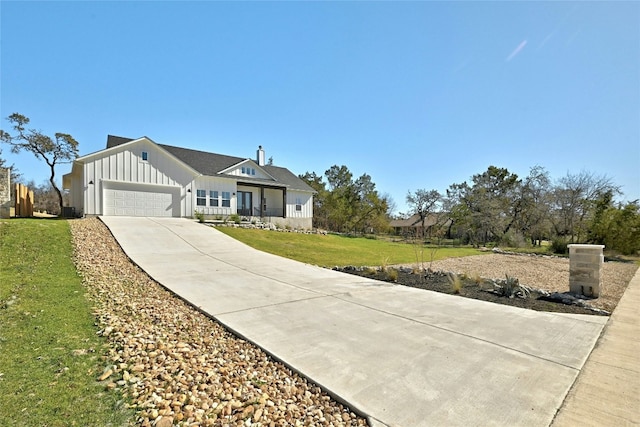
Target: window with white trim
201 197
213 198
298 204
144 156
226 199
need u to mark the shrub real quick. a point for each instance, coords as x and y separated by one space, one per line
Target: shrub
392 274
559 246
235 218
199 216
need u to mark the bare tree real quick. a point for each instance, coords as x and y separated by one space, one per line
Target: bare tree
61 149
574 197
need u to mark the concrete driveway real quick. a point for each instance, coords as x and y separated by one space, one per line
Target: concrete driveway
401 356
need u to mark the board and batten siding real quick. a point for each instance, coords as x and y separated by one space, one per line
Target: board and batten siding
219 184
306 202
125 165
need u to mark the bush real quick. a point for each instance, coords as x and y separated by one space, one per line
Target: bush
392 274
559 246
199 216
235 218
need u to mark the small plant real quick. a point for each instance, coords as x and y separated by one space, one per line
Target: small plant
385 263
475 278
392 274
370 271
455 281
218 218
199 216
235 218
511 287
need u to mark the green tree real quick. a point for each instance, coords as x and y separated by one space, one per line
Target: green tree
423 203
60 149
347 205
616 227
486 210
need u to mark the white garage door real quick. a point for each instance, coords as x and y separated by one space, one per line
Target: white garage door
137 203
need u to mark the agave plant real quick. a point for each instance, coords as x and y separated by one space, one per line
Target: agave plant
511 287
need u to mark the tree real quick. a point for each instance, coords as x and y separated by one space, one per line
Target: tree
535 200
574 200
342 204
61 149
15 174
423 203
486 210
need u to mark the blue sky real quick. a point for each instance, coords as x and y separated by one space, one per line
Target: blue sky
416 94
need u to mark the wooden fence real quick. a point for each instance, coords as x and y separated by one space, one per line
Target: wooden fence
24 201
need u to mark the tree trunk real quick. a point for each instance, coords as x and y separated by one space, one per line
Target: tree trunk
55 187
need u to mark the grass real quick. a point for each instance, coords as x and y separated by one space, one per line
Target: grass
333 250
50 355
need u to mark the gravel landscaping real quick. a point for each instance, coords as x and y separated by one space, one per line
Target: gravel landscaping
548 273
179 367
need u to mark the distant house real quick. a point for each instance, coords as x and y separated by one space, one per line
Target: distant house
412 226
138 177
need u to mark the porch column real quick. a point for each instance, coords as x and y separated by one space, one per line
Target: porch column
261 202
284 203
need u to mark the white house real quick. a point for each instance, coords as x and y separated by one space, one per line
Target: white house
138 177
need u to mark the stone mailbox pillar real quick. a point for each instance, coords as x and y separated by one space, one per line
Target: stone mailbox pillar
585 269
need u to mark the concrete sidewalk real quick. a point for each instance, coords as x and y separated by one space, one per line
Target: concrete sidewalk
401 356
607 391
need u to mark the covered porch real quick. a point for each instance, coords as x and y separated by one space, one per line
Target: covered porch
259 200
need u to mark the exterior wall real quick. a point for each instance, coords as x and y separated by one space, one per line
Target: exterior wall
125 164
304 199
210 183
77 194
295 223
274 201
5 193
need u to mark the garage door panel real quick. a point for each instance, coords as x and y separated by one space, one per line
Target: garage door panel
140 203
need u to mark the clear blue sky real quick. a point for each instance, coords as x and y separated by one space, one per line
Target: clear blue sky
416 94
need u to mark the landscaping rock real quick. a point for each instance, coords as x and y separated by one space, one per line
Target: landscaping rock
177 366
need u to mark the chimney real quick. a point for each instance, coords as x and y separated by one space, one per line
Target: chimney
260 155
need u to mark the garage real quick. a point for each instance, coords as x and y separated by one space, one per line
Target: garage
154 202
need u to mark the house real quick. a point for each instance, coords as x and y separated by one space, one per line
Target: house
138 177
412 226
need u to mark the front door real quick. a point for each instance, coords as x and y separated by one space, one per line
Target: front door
244 203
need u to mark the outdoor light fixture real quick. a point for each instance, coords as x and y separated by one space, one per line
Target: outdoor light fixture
188 190
91 182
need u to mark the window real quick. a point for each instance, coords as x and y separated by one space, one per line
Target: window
201 198
243 170
253 171
298 204
213 198
226 199
145 156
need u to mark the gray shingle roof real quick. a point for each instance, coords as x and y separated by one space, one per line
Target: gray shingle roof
212 164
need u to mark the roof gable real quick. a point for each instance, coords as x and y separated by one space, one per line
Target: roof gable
212 164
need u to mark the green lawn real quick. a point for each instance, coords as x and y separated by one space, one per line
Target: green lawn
50 355
332 250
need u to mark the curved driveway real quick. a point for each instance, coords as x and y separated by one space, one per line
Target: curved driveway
401 356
